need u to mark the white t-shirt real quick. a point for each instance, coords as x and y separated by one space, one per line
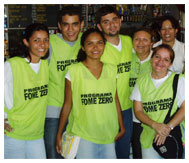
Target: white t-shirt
8 83
119 46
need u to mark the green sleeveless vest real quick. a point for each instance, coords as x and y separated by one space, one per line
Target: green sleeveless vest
156 103
94 114
27 116
137 70
122 59
63 55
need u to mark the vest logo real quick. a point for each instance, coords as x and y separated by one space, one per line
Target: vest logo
124 67
154 106
132 82
96 98
61 65
35 92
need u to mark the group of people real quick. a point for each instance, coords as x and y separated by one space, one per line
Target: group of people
98 85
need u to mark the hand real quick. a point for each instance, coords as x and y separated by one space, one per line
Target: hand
161 129
120 134
159 140
7 127
59 144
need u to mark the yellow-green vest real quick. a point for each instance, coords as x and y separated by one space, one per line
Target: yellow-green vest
156 103
27 116
122 59
63 55
94 114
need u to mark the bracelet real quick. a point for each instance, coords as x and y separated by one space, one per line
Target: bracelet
170 125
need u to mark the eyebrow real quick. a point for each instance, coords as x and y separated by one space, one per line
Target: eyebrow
70 23
115 17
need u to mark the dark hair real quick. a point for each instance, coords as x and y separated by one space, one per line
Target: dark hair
81 54
70 10
174 22
147 30
104 10
29 31
164 46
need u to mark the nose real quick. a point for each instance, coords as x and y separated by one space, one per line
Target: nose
166 30
42 43
70 28
95 46
140 42
112 23
161 60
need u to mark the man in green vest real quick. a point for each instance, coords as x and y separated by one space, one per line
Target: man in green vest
64 48
118 51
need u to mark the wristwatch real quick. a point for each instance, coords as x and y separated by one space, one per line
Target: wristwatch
170 125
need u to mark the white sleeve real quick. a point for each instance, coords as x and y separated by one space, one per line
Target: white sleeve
8 86
180 91
135 95
67 76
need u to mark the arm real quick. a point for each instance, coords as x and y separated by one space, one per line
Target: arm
120 119
160 128
177 119
8 94
66 109
7 127
179 116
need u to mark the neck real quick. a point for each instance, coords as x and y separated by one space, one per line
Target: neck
34 59
171 43
158 75
143 56
113 39
94 66
92 63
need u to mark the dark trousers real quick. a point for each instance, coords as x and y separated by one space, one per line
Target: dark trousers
51 128
135 141
122 146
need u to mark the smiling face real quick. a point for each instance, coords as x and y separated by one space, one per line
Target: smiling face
161 61
94 46
110 24
38 45
142 43
168 33
70 27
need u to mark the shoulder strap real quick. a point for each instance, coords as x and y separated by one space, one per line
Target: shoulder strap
175 84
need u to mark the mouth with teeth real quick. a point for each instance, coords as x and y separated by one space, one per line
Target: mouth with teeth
42 52
140 47
71 34
167 36
96 52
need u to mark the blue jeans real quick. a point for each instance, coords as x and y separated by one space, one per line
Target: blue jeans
24 149
123 145
89 150
51 128
150 153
